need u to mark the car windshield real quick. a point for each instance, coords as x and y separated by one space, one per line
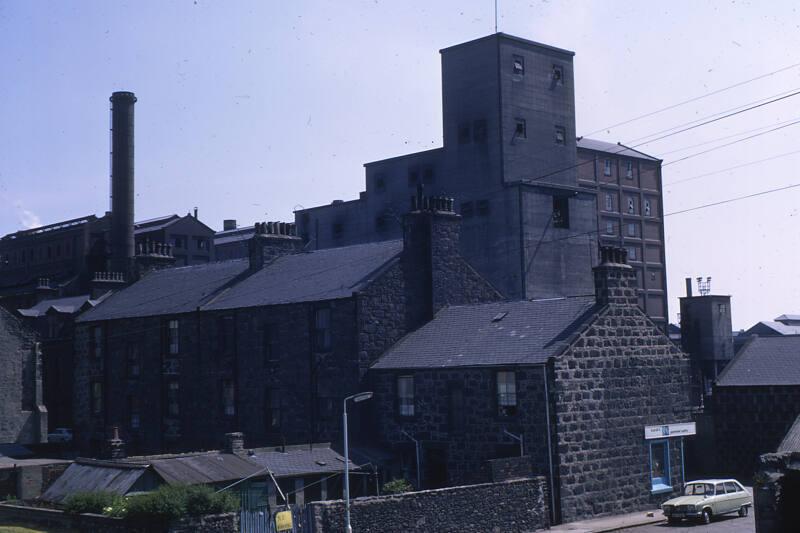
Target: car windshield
699 489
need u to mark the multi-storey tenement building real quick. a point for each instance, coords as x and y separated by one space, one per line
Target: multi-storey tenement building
528 197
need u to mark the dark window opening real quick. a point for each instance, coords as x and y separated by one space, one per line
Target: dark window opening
558 74
134 416
519 65
173 337
173 398
272 409
97 343
427 175
338 229
560 212
456 409
521 129
97 397
268 340
483 207
506 393
561 135
479 131
228 398
607 167
380 182
322 330
133 361
405 395
467 210
227 333
629 169
413 177
464 136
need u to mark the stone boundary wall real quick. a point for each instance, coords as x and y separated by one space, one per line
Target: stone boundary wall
776 492
518 506
510 468
93 523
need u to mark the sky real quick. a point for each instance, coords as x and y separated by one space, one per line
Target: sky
250 110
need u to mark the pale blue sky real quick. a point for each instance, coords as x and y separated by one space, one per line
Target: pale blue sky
249 109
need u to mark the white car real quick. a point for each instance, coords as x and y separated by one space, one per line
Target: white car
60 435
706 498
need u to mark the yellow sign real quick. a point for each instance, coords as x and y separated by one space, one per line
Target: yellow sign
283 521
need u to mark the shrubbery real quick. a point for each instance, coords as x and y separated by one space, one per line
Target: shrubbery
163 505
397 486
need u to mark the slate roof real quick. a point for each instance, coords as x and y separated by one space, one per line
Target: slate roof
611 148
234 235
92 476
71 304
764 361
299 460
505 333
791 441
302 277
778 328
154 224
204 468
788 318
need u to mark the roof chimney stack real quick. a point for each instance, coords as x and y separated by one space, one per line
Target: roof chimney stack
614 278
688 287
122 251
271 240
228 224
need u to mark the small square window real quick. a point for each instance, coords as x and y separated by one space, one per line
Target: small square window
521 129
560 212
561 135
519 65
483 207
464 134
647 208
607 167
467 210
558 75
479 131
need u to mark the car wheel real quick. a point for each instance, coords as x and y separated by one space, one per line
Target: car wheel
672 521
706 516
743 511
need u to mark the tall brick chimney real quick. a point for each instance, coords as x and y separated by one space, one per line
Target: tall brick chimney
431 232
234 443
271 240
614 278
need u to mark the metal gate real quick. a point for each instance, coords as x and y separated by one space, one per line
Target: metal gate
256 516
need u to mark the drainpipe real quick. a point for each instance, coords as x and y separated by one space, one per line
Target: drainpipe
549 445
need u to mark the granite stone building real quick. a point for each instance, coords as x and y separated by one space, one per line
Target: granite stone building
23 417
268 345
535 200
588 387
755 401
191 241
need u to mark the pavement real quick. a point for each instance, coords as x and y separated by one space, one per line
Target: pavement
613 523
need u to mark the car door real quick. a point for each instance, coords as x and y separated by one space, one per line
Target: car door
720 503
736 496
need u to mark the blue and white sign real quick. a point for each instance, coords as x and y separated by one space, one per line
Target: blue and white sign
670 430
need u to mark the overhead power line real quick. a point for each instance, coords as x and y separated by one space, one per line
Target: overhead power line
749 163
694 99
731 136
731 200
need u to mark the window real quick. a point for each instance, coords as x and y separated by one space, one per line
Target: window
722 309
730 487
609 202
338 229
631 206
413 177
200 243
405 395
659 466
228 397
610 227
97 343
483 207
558 75
380 182
560 212
173 337
267 340
464 133
519 65
479 131
521 129
632 253
631 229
427 175
506 394
227 335
177 241
133 368
467 210
97 397
561 135
134 416
647 208
382 222
629 170
173 398
607 167
322 330
272 409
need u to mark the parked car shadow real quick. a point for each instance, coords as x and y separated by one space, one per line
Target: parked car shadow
693 523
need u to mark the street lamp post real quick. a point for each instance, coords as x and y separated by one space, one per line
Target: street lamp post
360 397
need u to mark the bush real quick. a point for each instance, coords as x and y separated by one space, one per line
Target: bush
92 502
397 486
172 502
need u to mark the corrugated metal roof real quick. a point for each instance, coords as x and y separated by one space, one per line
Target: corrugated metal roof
85 476
298 461
791 442
764 361
614 149
505 333
204 468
